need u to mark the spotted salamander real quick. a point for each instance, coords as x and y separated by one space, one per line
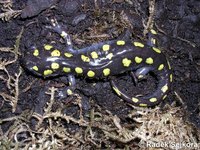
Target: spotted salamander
102 60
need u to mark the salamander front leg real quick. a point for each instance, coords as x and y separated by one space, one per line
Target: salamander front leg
125 36
72 81
152 38
58 29
68 91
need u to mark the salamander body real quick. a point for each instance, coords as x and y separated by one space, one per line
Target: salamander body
103 60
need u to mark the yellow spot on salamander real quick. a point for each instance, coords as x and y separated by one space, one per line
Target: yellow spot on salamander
169 65
79 70
120 42
48 47
171 77
149 60
143 105
138 44
109 56
106 71
55 53
153 31
66 69
140 76
85 58
156 50
117 91
69 92
135 100
94 55
68 55
164 88
161 67
126 62
63 34
36 52
106 47
153 41
35 68
164 97
138 59
48 72
90 73
153 99
55 65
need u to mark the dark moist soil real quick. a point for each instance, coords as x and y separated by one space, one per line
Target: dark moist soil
178 27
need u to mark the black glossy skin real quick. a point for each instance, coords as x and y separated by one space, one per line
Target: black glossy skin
125 50
97 65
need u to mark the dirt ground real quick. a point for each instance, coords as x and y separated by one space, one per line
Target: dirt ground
33 115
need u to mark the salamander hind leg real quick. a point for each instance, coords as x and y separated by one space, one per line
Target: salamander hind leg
142 72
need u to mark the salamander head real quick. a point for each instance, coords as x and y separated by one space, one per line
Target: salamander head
45 63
